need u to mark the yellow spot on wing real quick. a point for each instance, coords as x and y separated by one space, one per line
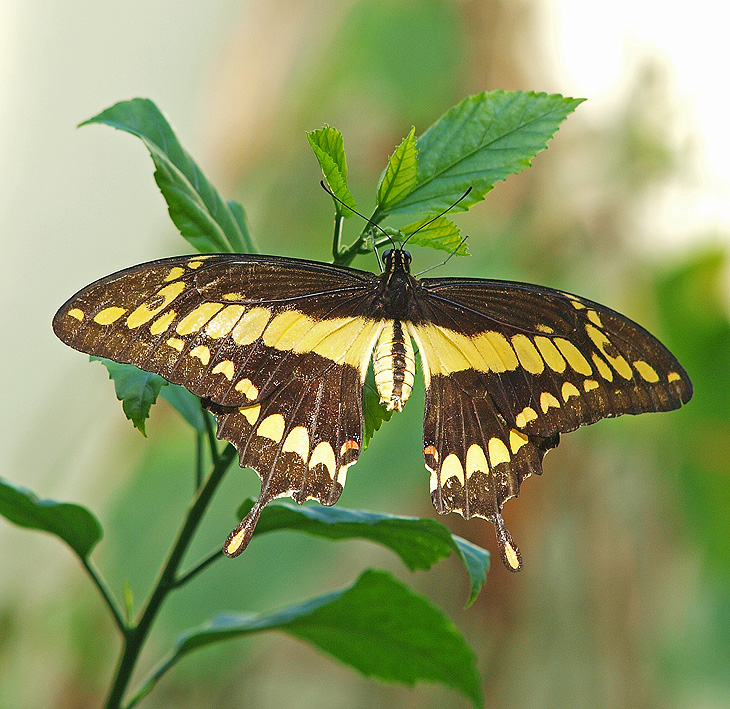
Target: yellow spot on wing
247 388
647 372
617 362
297 442
250 326
222 324
194 264
196 318
516 440
251 413
324 454
544 328
547 400
156 304
550 354
498 452
236 542
673 377
476 461
569 390
590 385
525 416
176 343
577 305
603 369
162 323
571 353
594 318
226 368
201 352
233 296
511 556
349 446
76 313
109 315
175 273
451 468
272 427
506 357
527 354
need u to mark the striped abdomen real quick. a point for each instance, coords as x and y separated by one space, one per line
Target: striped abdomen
394 365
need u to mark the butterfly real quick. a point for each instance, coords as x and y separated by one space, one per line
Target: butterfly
279 349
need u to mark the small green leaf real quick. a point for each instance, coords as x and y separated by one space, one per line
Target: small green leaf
420 543
480 141
208 222
440 234
135 388
329 149
375 412
400 177
378 626
187 405
74 524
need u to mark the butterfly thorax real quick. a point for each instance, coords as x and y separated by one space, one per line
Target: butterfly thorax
393 360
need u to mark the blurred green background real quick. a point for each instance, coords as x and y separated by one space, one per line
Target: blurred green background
624 600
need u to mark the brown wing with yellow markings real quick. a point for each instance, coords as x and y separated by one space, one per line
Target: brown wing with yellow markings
509 367
278 349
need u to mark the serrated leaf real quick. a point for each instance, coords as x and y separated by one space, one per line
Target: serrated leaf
187 405
378 626
135 388
375 412
480 141
400 177
329 149
420 543
74 524
207 221
441 234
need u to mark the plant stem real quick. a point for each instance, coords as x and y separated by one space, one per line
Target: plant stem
195 570
105 594
135 636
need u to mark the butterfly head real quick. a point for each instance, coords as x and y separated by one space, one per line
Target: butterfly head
397 260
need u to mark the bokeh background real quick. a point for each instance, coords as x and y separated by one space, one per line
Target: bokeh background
624 600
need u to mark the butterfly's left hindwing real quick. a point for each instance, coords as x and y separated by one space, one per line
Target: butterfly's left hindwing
277 348
509 367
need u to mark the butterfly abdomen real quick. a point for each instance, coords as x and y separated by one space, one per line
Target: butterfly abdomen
394 365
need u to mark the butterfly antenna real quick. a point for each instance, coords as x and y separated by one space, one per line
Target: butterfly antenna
372 223
430 221
446 260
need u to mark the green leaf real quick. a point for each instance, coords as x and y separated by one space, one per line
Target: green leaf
208 222
74 524
441 233
400 177
420 543
135 388
187 405
329 149
478 142
476 562
378 626
375 412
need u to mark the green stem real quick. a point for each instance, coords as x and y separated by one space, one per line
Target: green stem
135 636
195 570
106 594
337 237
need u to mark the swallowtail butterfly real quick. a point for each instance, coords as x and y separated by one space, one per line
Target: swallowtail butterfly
278 349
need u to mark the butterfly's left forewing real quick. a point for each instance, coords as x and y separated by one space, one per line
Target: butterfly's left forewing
277 348
508 367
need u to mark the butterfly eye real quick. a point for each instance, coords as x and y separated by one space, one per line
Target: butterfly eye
388 253
407 258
